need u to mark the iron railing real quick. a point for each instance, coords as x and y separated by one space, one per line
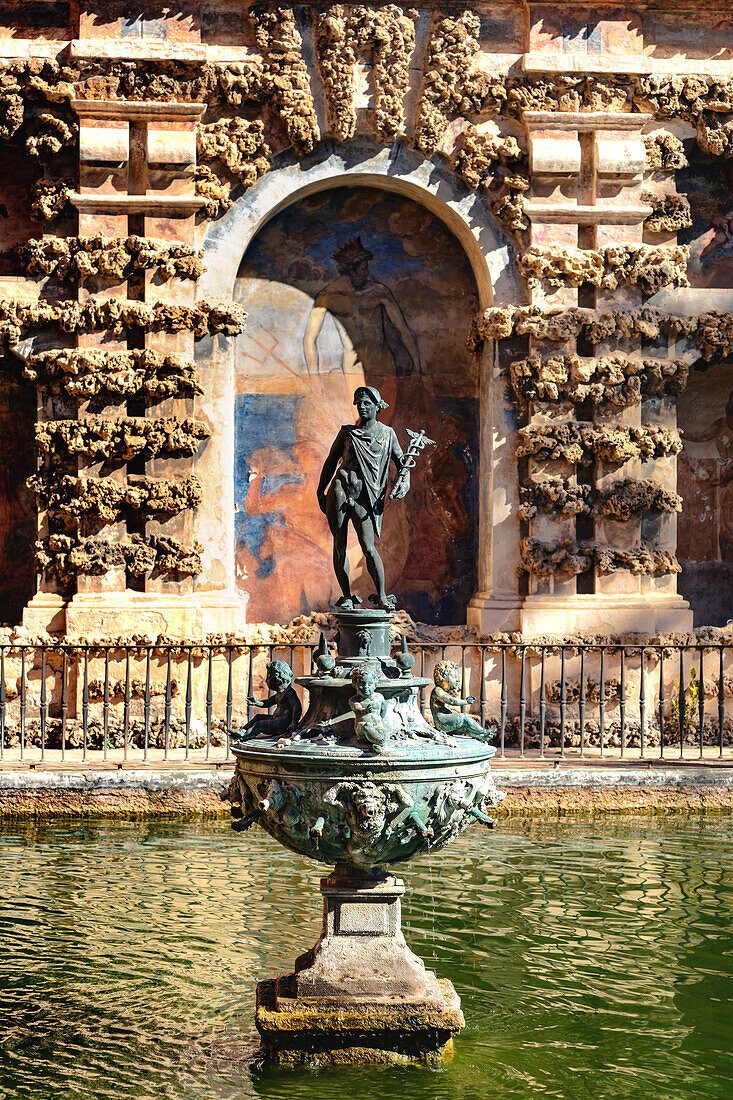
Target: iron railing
146 702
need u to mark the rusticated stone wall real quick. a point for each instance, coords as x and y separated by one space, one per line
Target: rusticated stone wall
600 141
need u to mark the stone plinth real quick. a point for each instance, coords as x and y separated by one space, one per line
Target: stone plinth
362 954
296 1032
360 994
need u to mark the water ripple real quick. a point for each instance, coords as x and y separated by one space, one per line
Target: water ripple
594 959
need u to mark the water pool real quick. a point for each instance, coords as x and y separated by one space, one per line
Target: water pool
593 956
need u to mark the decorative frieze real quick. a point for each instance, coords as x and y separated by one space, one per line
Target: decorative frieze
649 267
67 556
625 498
614 381
118 315
121 440
107 500
541 559
579 443
115 258
84 373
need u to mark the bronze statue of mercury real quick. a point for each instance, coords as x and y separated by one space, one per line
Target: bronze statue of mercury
353 488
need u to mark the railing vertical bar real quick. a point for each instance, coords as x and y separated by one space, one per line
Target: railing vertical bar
503 700
622 701
543 701
22 702
209 699
270 657
167 705
105 702
189 699
463 672
662 703
522 702
563 700
250 682
64 699
602 698
230 697
681 702
701 701
146 703
85 705
422 676
4 703
642 699
721 702
483 686
126 706
581 701
44 702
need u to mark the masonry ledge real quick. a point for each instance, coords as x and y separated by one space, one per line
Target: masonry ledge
584 63
136 110
569 213
118 50
587 120
184 205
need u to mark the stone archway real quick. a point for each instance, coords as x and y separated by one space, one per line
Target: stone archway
467 216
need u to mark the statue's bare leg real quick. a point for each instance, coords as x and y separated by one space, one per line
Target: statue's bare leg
338 521
365 533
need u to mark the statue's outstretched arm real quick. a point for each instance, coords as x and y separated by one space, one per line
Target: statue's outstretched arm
310 339
399 321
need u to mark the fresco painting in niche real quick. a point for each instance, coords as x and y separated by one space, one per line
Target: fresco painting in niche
346 287
708 184
705 482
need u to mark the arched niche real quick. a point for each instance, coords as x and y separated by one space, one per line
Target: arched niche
463 215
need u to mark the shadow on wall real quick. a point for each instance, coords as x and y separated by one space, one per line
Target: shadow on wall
348 286
17 506
705 482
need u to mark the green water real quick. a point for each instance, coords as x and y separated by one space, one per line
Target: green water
593 957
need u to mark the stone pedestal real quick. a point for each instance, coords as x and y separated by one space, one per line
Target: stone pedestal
360 994
361 954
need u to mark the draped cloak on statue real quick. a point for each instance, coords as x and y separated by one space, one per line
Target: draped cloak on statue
369 453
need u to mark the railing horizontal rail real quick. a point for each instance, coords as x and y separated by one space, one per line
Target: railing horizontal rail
177 700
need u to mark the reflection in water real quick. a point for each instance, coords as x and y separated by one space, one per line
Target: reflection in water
594 958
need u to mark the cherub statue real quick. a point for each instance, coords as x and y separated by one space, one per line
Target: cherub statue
367 709
444 697
279 678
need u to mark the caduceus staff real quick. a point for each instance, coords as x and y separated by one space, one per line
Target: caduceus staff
418 442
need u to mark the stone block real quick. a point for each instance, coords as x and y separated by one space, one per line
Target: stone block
171 146
100 143
294 1032
555 155
623 157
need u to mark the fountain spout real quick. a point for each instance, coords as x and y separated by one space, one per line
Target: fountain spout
241 824
477 815
419 825
317 829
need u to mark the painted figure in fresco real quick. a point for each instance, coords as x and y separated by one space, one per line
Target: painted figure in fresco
285 717
720 432
367 709
353 487
281 487
373 321
720 245
444 698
